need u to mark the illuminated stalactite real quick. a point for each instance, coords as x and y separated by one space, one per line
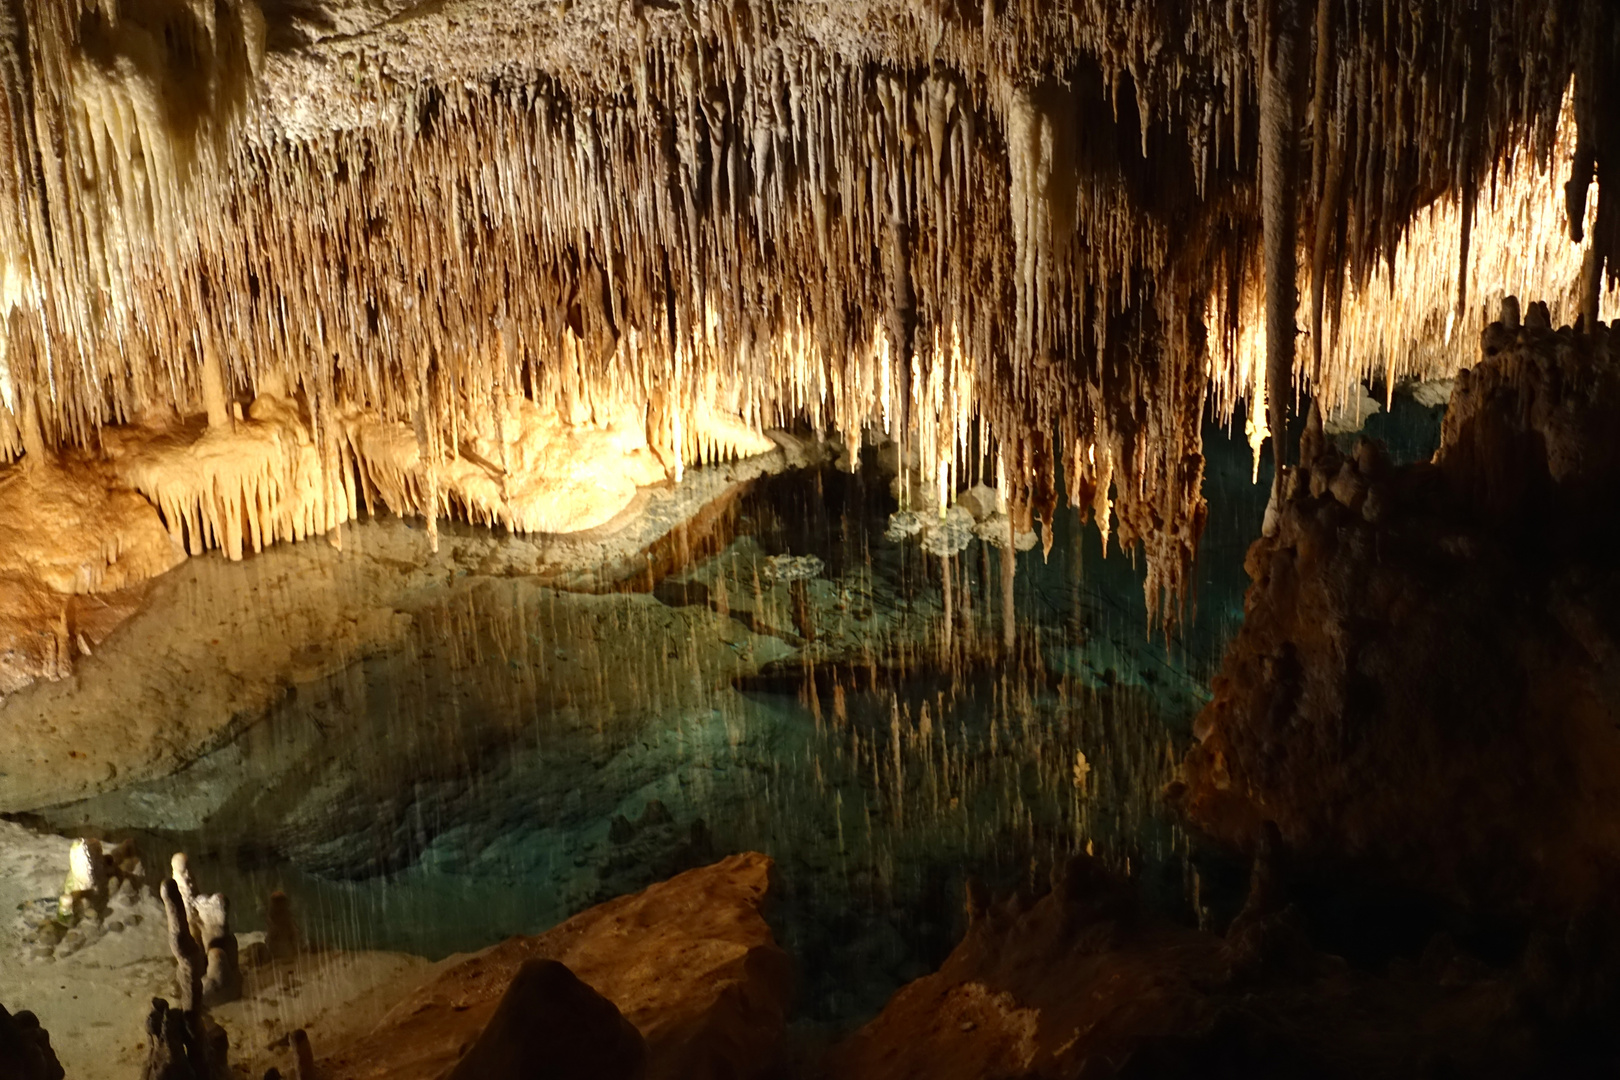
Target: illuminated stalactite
1402 323
1282 80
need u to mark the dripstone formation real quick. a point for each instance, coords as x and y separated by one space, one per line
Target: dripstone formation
508 262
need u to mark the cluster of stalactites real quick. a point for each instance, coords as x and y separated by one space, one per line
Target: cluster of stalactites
116 120
835 267
1403 324
1424 125
995 242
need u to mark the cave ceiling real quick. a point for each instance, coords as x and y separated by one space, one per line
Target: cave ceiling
1056 232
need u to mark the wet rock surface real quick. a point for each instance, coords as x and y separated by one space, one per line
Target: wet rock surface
690 962
1084 983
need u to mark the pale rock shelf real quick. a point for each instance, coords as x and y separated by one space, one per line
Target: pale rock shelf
79 527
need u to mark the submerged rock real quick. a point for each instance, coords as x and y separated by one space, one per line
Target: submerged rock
690 963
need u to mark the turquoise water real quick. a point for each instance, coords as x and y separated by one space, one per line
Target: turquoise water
529 753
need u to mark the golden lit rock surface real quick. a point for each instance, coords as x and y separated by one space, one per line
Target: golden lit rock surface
690 962
73 544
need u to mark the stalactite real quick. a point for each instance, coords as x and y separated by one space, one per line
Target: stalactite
1009 565
1327 172
1281 85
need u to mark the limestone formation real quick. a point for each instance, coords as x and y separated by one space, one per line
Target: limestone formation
690 963
25 1049
269 269
189 959
103 892
303 1056
184 1045
222 976
1427 651
186 885
87 877
510 263
64 535
200 936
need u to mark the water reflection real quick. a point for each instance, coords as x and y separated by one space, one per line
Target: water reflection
530 751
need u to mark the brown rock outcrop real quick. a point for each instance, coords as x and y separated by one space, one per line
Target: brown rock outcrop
1082 984
690 962
1426 687
552 1025
74 549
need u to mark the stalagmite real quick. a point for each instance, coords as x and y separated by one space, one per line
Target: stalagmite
200 936
87 877
180 871
222 978
190 964
303 1056
25 1048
